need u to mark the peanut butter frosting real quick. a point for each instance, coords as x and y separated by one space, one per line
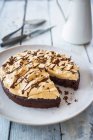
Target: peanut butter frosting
27 74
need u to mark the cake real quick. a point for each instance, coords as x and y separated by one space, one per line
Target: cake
29 77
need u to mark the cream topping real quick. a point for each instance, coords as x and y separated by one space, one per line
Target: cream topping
27 73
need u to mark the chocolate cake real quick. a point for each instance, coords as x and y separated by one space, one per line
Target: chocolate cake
29 78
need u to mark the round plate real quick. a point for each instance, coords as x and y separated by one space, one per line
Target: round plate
33 116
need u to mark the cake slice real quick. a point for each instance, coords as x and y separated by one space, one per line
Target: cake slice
30 87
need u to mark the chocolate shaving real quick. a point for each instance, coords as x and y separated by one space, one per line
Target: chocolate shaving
34 85
73 72
4 65
59 90
58 55
12 59
56 61
52 66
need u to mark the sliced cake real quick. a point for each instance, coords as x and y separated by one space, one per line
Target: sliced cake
28 78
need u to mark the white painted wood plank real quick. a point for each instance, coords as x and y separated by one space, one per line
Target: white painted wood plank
23 132
10 18
36 9
1 5
4 128
57 20
78 128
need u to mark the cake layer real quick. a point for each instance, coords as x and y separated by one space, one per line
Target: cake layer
36 103
66 83
38 86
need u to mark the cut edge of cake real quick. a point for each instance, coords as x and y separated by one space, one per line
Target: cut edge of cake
36 103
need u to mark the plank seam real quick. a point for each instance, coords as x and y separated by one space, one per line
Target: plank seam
87 53
9 130
50 22
52 44
61 134
25 10
2 7
61 10
10 126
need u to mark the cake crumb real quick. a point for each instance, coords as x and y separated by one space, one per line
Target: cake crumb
76 100
66 92
68 103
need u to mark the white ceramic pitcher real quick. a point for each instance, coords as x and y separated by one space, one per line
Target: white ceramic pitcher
78 27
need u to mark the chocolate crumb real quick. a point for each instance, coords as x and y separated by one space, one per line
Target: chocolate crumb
76 100
66 92
65 98
68 103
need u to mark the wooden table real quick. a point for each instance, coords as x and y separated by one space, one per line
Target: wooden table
13 14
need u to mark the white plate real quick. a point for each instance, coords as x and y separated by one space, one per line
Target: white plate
32 116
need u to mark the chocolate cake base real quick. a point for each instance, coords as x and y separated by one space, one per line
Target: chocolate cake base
66 83
43 103
36 103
